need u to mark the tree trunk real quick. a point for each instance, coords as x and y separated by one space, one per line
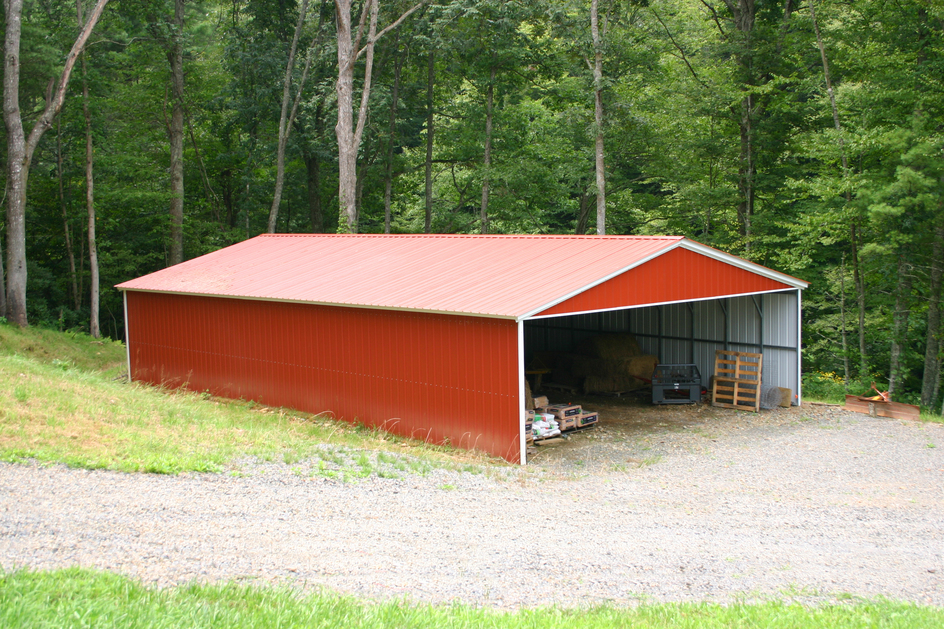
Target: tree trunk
431 76
583 214
859 282
842 315
70 253
932 350
90 204
286 120
598 116
347 150
20 149
487 161
90 198
900 325
349 136
17 169
313 169
175 132
315 212
744 14
3 292
746 170
94 328
392 134
832 97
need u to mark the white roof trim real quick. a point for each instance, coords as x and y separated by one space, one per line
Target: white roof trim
661 303
741 263
530 314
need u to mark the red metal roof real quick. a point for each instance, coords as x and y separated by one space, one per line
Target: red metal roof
495 275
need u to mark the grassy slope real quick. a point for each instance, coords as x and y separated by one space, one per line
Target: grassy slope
63 398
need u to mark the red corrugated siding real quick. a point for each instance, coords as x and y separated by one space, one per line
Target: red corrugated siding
432 377
677 275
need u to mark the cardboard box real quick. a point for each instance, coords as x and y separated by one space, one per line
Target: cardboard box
587 419
563 411
568 423
540 401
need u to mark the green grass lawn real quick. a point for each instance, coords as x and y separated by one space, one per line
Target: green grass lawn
82 598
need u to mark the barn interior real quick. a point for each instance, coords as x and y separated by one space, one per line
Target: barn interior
621 361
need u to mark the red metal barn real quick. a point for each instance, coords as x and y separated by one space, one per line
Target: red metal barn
427 335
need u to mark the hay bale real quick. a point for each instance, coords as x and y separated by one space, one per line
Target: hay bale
786 397
612 346
641 366
609 376
611 384
528 400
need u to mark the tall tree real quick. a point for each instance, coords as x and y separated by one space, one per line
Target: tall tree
175 134
598 151
287 118
20 148
930 383
94 328
349 135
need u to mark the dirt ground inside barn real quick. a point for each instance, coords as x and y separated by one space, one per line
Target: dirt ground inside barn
632 430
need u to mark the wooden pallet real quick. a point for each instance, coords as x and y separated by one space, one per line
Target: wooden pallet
736 383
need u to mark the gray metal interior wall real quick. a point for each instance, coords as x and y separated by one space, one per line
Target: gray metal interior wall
692 332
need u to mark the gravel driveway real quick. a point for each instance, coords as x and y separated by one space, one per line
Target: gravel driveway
692 504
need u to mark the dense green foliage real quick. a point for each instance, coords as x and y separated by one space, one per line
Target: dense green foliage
84 598
717 121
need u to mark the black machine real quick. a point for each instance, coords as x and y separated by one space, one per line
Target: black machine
676 384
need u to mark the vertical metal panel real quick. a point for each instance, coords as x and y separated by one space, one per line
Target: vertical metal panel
677 275
780 321
745 324
427 376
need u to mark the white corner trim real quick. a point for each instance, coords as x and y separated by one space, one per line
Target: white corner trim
127 335
741 263
521 401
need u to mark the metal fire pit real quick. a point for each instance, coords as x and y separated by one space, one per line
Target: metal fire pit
676 384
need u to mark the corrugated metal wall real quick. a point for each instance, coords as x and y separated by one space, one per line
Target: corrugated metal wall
691 332
431 377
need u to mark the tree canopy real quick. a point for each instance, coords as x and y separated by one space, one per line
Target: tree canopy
806 135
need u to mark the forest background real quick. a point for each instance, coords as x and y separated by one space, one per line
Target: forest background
805 135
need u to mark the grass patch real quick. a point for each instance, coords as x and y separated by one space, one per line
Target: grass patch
75 598
63 400
65 349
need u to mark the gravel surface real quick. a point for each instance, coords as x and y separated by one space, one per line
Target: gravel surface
690 503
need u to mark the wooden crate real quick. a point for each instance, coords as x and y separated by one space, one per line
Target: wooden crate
736 382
